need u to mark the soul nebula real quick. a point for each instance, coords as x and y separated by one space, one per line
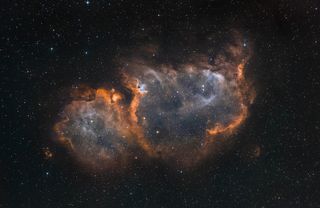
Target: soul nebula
171 113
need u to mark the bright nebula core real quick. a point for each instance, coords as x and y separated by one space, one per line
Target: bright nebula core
172 113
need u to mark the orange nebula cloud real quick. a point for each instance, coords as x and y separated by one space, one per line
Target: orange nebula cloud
169 112
47 153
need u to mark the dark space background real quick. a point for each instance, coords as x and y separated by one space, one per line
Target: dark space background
48 46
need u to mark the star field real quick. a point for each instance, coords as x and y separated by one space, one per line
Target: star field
49 48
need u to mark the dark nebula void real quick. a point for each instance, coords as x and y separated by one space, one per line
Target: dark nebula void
172 113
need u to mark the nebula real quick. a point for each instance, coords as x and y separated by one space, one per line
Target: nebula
170 113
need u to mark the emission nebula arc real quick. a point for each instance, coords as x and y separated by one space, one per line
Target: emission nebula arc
171 113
